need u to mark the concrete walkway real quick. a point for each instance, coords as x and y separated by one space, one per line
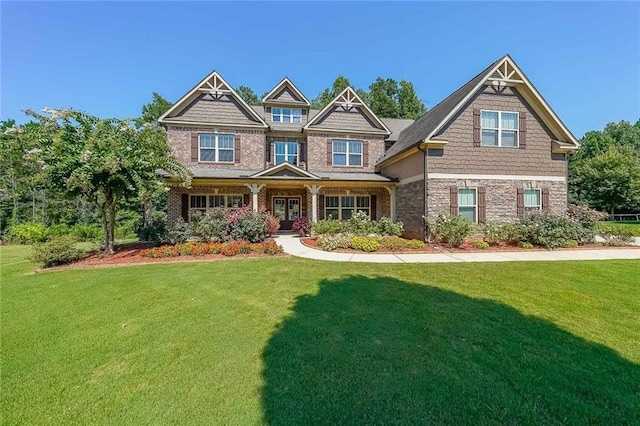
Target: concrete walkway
293 246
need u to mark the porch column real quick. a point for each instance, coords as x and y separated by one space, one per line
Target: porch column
314 189
392 201
255 190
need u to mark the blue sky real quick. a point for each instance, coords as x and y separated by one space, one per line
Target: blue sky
107 58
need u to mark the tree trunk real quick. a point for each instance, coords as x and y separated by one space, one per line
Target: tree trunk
147 215
109 221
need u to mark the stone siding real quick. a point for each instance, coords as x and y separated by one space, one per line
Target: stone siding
501 196
410 208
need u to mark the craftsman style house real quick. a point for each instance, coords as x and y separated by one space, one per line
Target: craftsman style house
491 151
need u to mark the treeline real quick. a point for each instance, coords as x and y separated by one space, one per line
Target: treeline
386 97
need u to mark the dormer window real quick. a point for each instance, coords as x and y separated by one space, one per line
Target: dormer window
499 128
286 115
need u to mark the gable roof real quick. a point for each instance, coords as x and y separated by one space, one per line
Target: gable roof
215 86
282 170
276 92
348 99
503 70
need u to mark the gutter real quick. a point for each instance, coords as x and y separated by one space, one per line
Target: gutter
425 191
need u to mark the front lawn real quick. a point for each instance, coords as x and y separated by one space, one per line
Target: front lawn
632 225
293 341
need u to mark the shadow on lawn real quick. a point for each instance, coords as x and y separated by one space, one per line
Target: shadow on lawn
385 351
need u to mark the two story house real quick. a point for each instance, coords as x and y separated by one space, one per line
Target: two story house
491 151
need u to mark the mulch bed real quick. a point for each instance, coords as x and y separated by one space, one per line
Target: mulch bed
129 254
312 243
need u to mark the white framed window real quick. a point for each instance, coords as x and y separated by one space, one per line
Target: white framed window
286 115
347 153
285 152
215 148
202 203
499 128
532 200
343 207
468 203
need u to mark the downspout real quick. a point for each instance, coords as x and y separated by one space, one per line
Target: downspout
425 193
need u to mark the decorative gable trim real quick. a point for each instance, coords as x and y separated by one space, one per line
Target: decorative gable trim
216 86
507 73
348 99
284 166
283 84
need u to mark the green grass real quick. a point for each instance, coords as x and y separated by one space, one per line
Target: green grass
293 341
632 225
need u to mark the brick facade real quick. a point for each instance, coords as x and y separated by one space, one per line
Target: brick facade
317 152
410 208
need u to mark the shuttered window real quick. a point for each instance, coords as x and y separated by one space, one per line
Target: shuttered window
499 128
532 200
468 203
215 148
347 153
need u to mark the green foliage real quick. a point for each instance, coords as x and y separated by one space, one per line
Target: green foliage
385 226
525 245
328 227
28 233
248 95
479 244
415 244
548 229
368 244
570 244
409 104
493 233
180 232
301 225
360 224
615 235
57 251
211 227
394 243
245 224
328 242
152 111
588 220
451 230
605 171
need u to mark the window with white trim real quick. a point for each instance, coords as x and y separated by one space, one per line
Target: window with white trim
347 153
286 152
499 128
215 148
201 204
343 207
532 200
286 115
468 203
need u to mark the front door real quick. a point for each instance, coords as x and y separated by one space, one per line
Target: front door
287 209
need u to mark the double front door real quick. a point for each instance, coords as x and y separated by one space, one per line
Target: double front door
287 209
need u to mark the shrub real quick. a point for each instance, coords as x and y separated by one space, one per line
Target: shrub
328 242
328 227
156 233
570 244
614 235
394 243
244 247
360 224
231 248
343 240
588 220
385 226
57 251
548 229
211 227
180 232
451 230
271 247
415 244
493 233
512 233
86 232
479 244
246 224
525 245
301 226
58 230
272 223
28 233
368 244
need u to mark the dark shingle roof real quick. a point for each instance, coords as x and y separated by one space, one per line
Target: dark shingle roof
415 133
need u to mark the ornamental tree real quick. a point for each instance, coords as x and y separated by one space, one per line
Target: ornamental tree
108 160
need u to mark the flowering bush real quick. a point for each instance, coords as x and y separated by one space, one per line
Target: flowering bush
301 226
328 242
232 248
272 223
548 229
451 230
385 226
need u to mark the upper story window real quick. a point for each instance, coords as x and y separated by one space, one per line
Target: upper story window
499 128
215 148
286 115
286 152
347 153
532 200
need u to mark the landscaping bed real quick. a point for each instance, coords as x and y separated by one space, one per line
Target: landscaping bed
426 248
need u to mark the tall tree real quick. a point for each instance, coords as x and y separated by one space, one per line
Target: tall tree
248 95
153 110
105 159
327 95
409 103
383 98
